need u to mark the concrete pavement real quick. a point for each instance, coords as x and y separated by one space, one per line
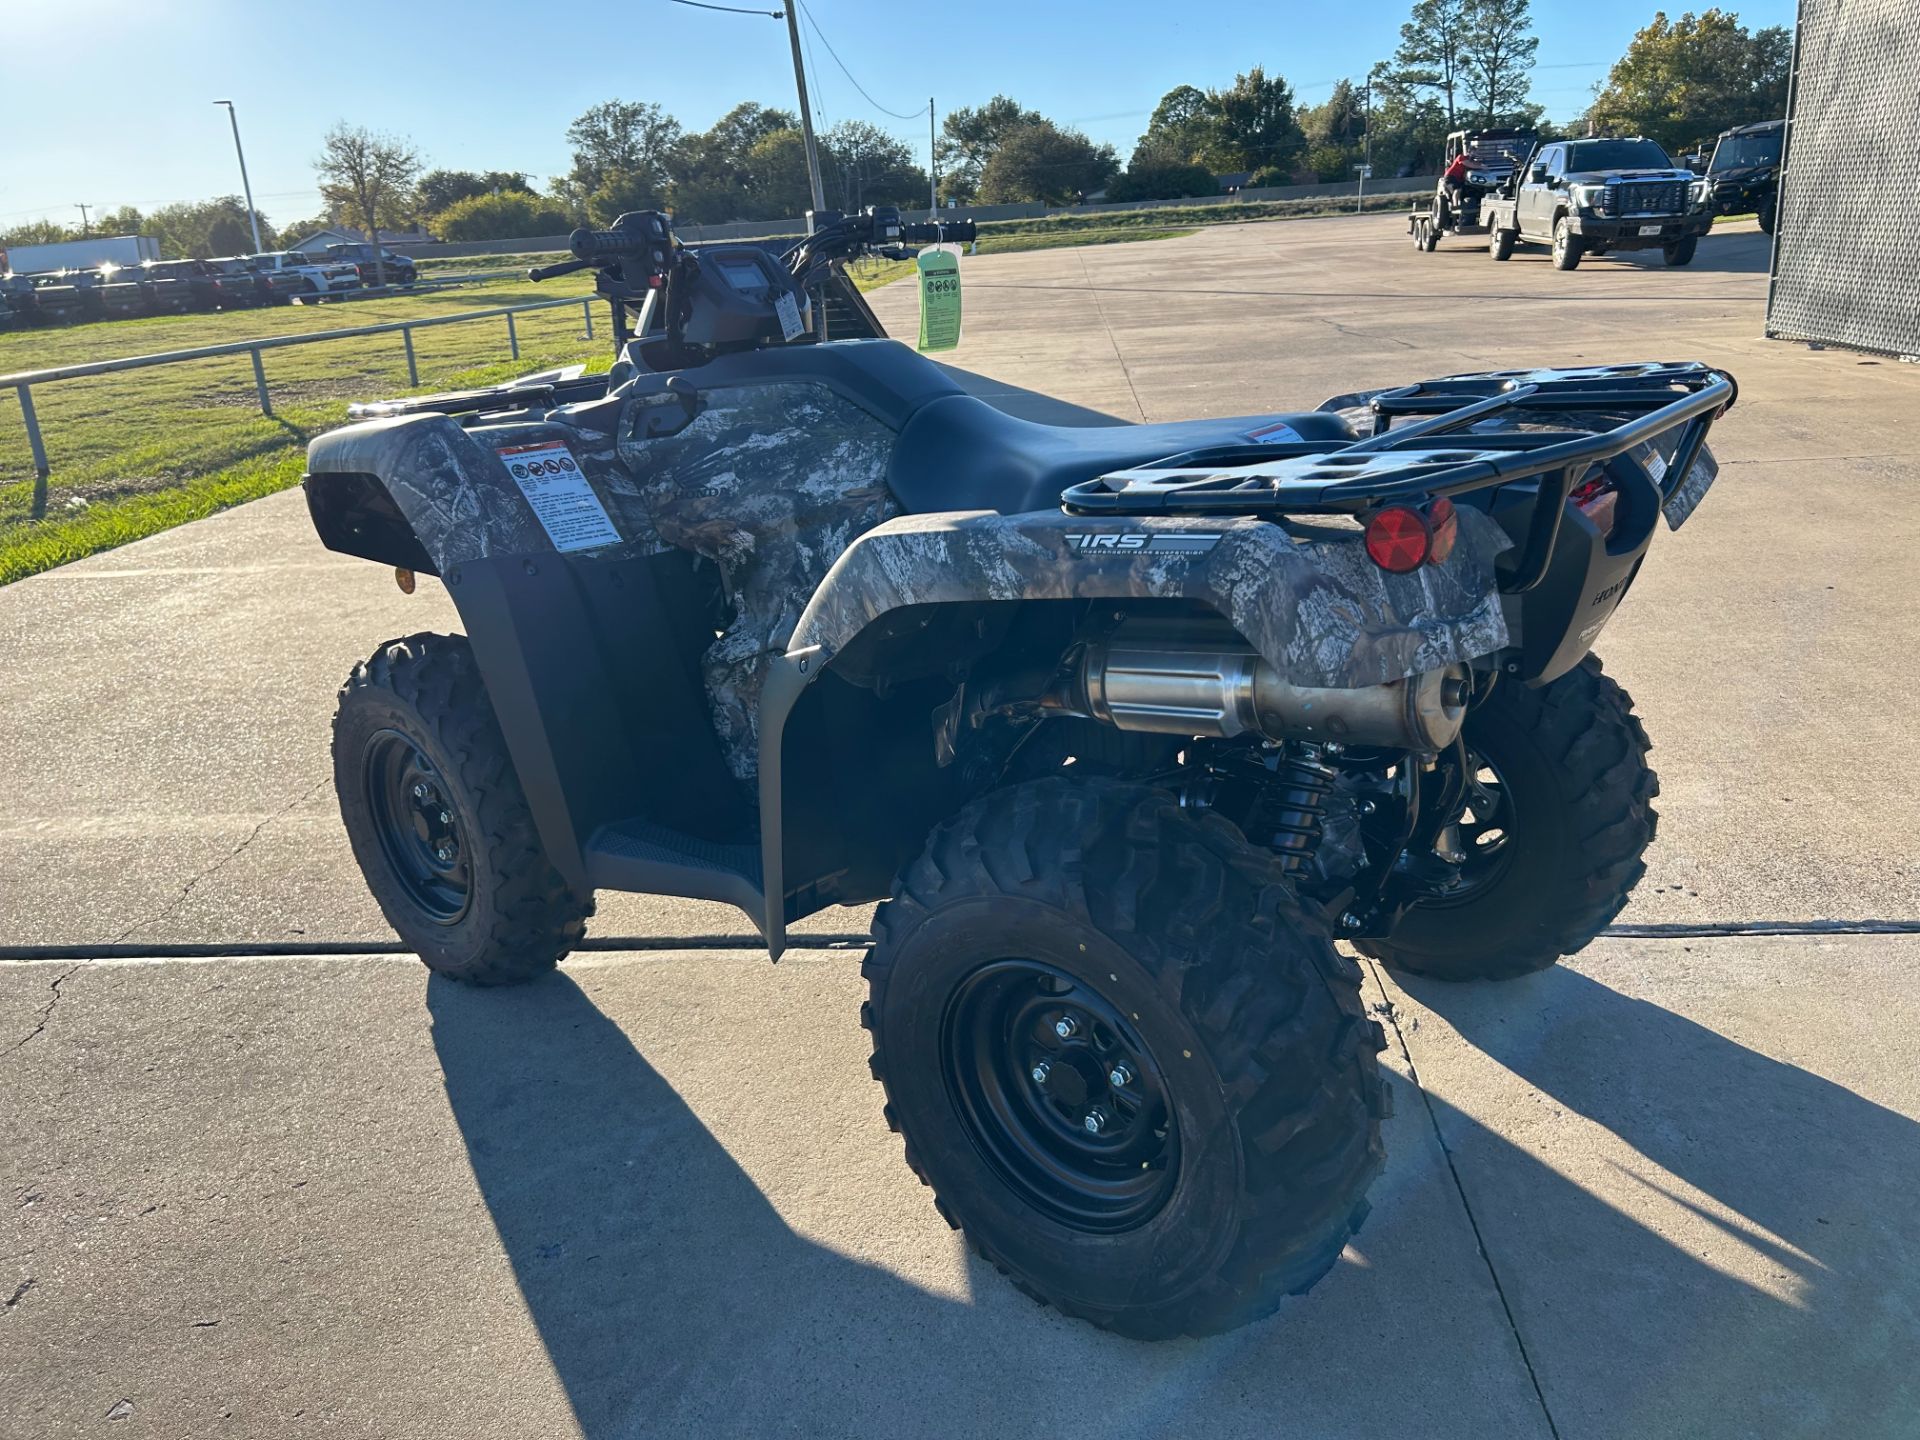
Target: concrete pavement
1664 1190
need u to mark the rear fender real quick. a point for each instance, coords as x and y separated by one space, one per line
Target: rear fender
1306 598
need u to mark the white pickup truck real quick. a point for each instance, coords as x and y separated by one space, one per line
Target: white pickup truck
318 277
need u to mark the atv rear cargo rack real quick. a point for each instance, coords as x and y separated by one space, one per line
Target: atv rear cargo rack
1411 465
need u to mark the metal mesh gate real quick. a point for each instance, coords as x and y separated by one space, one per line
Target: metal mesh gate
1846 264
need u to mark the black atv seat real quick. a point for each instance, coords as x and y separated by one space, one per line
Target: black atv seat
958 452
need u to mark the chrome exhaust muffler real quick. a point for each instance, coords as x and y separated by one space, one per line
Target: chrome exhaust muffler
1181 680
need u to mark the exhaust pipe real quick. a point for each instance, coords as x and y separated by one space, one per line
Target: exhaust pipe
1172 681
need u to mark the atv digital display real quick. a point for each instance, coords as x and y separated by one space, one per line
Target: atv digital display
742 274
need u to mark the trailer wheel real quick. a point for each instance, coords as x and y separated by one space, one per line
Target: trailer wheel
438 820
1500 243
1567 246
1133 1072
1681 251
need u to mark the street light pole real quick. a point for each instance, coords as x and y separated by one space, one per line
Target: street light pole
253 216
86 228
806 112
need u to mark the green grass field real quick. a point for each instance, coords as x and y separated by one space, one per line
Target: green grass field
135 453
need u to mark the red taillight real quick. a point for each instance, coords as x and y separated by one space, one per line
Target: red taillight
1598 501
1401 539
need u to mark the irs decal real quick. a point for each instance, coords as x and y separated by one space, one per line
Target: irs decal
1137 542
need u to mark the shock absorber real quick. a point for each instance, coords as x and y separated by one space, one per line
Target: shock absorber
1297 807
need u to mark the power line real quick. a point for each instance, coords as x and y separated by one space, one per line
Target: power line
909 115
732 9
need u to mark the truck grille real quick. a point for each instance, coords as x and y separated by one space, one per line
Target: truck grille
1648 197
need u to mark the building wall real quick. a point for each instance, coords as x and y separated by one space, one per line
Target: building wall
1846 260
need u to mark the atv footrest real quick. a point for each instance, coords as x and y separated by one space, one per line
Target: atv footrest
640 855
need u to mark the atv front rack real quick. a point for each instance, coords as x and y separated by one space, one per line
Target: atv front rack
1407 465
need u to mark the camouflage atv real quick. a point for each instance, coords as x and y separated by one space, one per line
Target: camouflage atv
1124 724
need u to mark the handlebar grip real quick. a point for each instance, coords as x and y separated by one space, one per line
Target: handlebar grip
563 267
590 244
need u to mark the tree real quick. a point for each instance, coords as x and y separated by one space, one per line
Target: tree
864 165
1684 80
1255 125
1040 161
509 215
201 229
1149 178
631 139
371 176
970 136
1183 128
437 189
1432 53
1500 46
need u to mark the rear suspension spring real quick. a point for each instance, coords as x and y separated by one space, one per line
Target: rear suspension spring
1297 808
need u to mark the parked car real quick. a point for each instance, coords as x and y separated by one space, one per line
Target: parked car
266 287
207 288
400 269
68 295
154 292
318 276
19 302
1586 197
1744 174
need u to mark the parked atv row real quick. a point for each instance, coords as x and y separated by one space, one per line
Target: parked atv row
1125 725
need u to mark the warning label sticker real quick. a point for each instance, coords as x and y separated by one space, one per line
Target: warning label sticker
1279 432
562 500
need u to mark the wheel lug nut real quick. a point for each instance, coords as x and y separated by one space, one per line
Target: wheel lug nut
1066 1027
420 791
1041 1071
445 818
1095 1122
443 853
1120 1076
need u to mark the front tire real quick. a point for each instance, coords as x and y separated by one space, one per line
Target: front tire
1768 214
1681 251
438 820
1072 949
1563 780
1500 243
1567 246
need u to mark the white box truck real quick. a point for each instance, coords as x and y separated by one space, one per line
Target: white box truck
78 254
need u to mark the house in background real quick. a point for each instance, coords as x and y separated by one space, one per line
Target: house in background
347 235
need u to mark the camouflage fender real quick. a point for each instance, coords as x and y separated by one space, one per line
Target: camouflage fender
1306 597
451 486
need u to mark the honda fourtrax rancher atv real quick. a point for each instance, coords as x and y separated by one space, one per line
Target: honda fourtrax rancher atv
1125 724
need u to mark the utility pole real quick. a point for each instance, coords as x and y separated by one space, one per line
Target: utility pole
933 165
86 229
806 112
253 216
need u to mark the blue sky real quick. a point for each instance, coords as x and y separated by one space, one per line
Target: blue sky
113 109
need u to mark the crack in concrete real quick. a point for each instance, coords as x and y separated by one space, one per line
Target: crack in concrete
47 1013
19 1294
1105 325
1392 1017
252 835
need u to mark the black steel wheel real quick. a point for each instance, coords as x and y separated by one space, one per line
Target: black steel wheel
1061 1095
438 820
1556 815
416 826
1132 1070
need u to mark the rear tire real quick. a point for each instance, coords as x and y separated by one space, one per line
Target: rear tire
1567 246
1681 251
1175 950
1575 800
438 820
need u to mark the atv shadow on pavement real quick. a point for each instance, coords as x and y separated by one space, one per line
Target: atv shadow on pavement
1638 1306
673 1298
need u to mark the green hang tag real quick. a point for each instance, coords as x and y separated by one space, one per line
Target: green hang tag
939 299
